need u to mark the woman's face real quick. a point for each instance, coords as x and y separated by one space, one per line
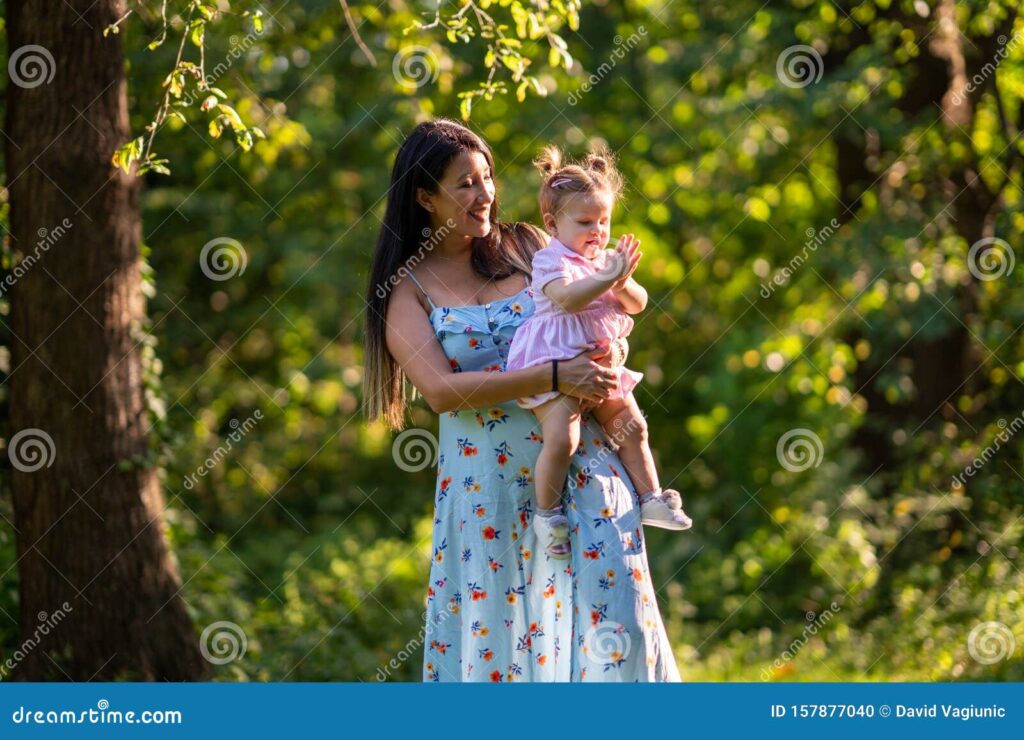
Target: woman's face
463 201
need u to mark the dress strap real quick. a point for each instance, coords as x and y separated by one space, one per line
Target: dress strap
424 292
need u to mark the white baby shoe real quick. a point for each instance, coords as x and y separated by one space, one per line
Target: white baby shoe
665 510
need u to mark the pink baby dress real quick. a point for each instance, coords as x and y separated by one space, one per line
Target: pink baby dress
554 334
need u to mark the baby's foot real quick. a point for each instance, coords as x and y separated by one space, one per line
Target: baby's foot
553 533
665 510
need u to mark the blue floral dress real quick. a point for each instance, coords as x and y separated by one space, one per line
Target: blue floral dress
498 608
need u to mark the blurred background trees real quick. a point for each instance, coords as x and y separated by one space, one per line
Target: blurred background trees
829 196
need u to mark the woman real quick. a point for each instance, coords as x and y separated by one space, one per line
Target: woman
498 609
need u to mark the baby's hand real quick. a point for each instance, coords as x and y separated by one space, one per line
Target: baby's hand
627 253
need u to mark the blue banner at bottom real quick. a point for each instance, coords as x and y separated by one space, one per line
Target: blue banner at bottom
475 710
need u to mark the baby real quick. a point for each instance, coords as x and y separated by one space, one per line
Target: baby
584 295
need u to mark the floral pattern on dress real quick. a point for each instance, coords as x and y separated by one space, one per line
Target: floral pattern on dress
498 608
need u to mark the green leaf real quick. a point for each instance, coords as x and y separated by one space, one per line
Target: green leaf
232 115
465 107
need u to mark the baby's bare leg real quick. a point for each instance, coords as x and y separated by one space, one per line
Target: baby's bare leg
625 424
560 426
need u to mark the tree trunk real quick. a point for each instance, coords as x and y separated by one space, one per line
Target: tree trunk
96 575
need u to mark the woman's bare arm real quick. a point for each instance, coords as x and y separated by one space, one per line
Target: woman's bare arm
412 342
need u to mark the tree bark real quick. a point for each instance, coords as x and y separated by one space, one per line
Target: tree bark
90 527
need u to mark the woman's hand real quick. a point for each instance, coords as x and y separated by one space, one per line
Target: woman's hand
587 376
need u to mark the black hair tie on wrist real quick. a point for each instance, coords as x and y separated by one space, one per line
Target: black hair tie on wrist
554 375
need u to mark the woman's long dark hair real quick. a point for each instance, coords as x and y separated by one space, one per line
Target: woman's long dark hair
507 249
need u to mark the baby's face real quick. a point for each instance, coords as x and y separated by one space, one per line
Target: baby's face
584 223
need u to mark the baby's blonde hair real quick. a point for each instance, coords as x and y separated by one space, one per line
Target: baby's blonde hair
595 172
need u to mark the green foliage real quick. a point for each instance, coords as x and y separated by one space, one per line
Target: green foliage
808 269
